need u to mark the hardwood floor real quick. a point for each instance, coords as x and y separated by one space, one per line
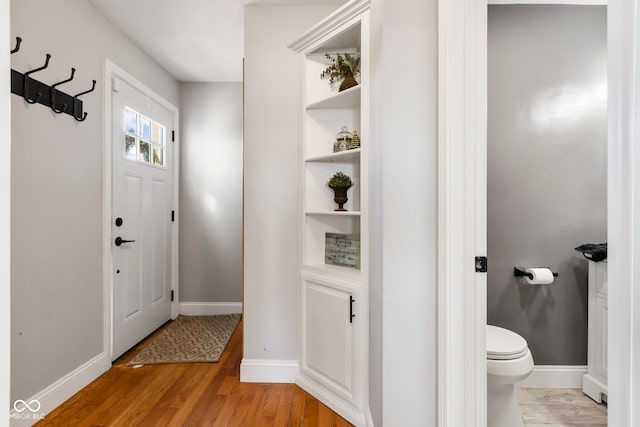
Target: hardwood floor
190 394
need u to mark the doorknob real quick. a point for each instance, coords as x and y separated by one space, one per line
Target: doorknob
120 240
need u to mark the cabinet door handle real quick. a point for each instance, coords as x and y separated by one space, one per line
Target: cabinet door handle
351 315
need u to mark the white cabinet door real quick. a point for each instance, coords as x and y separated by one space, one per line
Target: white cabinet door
602 316
594 383
330 324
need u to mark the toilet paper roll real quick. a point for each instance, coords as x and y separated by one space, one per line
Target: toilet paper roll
541 276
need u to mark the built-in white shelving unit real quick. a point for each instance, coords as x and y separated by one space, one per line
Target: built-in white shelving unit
334 299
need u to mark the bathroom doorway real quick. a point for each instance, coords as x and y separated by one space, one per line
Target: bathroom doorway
547 191
462 201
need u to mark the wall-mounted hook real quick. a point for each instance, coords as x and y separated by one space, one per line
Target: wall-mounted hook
17 48
75 97
53 97
26 79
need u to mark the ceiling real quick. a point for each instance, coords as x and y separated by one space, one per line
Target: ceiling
194 40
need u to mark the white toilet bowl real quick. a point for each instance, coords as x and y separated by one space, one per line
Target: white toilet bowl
508 361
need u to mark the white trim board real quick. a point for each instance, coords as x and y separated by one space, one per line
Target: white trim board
462 122
554 376
209 308
369 420
268 371
58 392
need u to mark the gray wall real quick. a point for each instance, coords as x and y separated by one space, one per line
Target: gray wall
56 200
547 139
273 96
211 192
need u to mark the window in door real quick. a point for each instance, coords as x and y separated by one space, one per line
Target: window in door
144 139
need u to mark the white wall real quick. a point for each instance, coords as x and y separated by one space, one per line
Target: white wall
271 157
211 192
5 220
56 253
409 201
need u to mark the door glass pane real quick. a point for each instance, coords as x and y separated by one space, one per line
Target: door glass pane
158 156
144 152
130 149
145 128
145 139
130 121
157 135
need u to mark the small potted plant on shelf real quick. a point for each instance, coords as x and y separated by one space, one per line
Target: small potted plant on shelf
340 183
342 67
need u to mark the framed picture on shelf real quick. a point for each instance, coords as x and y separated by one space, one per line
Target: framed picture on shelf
342 250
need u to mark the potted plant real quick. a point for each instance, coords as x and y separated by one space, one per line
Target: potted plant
342 67
340 183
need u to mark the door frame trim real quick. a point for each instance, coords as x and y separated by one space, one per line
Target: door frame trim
460 61
462 172
112 70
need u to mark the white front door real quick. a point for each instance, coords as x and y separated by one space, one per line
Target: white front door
141 215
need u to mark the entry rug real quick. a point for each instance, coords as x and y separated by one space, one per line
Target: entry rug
189 339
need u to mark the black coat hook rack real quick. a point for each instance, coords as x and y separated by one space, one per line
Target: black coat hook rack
36 92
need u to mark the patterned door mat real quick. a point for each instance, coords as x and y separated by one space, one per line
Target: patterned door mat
189 339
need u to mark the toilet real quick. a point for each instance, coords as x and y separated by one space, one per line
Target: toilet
508 361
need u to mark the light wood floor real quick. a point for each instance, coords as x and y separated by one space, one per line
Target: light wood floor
560 408
190 394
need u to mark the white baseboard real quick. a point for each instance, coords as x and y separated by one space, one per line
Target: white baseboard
554 376
268 371
594 388
369 417
209 308
57 393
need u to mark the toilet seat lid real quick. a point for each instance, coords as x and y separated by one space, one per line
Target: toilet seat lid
503 344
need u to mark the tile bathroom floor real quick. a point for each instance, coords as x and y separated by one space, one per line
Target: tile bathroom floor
560 407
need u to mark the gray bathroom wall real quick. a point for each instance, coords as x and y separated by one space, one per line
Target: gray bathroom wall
211 193
547 156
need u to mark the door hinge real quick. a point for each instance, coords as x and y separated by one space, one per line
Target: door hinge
173 216
481 264
171 295
173 136
115 84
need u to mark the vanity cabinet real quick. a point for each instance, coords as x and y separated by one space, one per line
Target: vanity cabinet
594 383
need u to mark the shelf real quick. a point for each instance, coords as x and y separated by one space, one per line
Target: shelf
333 213
331 269
348 98
341 156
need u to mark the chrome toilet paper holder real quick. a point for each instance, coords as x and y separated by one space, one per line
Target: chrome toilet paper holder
522 272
